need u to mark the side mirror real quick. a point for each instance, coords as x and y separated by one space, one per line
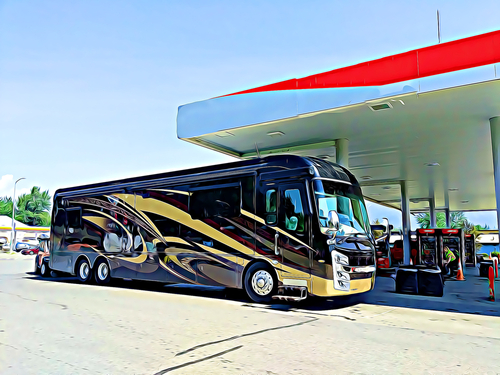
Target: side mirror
333 220
386 235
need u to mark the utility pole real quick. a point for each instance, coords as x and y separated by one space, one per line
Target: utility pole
439 26
13 233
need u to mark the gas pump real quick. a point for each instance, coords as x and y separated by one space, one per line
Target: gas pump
470 250
454 239
428 252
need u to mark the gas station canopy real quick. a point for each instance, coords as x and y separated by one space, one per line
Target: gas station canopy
422 117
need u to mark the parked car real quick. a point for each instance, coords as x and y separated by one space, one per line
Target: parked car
31 250
24 246
3 242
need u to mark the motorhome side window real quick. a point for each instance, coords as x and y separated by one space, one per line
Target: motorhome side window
74 217
271 206
294 212
215 202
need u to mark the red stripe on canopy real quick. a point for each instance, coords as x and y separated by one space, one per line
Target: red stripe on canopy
441 58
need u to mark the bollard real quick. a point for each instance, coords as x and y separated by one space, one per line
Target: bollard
491 278
495 265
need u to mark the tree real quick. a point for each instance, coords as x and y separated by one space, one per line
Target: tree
457 219
31 209
6 206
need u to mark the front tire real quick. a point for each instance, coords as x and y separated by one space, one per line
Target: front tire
45 269
102 273
261 283
83 271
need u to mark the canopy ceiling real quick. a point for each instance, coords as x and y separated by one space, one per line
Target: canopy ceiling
421 116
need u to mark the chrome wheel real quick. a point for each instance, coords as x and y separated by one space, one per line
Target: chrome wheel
84 270
43 269
103 271
262 282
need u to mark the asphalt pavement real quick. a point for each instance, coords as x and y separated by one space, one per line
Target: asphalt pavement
58 326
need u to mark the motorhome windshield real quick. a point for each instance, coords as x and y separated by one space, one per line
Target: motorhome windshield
347 201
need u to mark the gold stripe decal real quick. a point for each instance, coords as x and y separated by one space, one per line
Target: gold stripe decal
260 220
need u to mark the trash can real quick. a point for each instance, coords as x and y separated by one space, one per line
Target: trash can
407 280
430 282
484 266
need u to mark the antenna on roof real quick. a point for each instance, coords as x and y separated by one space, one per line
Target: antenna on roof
257 149
439 26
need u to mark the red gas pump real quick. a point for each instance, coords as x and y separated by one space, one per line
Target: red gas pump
427 248
454 240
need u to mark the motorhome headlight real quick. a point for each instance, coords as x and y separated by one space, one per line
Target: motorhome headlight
342 285
340 258
341 278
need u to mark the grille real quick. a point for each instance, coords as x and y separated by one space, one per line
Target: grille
361 275
357 260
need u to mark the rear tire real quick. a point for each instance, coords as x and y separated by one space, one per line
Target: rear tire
37 269
261 283
102 273
84 271
45 269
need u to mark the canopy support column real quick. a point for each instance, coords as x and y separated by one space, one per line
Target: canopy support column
495 145
448 218
405 210
342 152
432 213
447 210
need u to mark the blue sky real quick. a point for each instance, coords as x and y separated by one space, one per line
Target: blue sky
89 90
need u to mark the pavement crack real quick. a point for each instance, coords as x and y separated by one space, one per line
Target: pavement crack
245 335
64 307
198 360
19 296
9 346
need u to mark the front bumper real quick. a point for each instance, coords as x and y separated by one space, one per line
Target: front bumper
325 287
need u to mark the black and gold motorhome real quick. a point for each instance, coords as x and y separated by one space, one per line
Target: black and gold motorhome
280 226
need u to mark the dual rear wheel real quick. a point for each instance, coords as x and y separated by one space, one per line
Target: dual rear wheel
100 273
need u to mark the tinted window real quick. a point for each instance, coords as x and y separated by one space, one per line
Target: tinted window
74 217
167 227
271 206
294 213
217 202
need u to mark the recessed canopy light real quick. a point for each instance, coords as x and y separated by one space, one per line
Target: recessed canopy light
386 187
453 189
399 100
380 106
375 195
224 134
465 201
366 178
324 156
432 164
275 134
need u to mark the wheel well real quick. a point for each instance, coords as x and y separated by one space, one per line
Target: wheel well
264 262
80 257
104 258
